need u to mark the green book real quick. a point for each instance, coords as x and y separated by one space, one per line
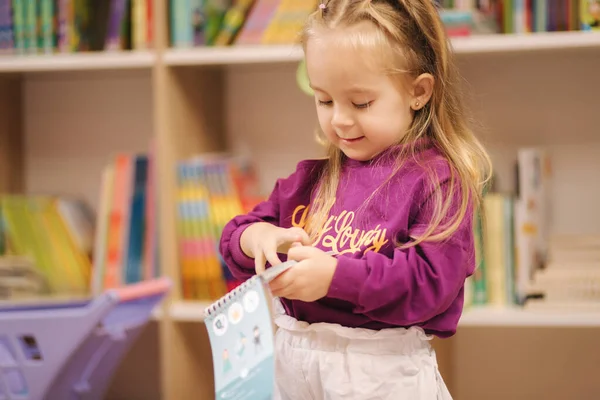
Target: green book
46 36
19 25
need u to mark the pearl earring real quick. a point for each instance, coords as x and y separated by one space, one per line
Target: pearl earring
417 104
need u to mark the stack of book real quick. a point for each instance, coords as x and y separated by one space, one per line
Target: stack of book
67 26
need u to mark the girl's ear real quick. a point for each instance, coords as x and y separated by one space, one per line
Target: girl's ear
422 89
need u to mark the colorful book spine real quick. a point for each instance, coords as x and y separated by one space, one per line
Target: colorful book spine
47 42
65 18
150 259
117 222
181 28
233 21
115 23
150 23
139 24
257 22
288 21
6 27
215 11
479 292
204 225
198 22
18 17
192 268
134 243
590 15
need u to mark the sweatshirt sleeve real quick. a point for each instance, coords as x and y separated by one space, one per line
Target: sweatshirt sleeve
240 265
413 285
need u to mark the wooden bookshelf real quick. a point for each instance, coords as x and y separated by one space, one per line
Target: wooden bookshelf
63 116
232 55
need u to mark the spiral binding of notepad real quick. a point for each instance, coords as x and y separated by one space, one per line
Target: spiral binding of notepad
234 294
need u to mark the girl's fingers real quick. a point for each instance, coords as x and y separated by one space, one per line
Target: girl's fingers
299 235
259 261
281 286
272 257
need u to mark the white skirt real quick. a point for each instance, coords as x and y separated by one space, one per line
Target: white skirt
330 362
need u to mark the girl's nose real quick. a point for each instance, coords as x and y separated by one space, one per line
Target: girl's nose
341 119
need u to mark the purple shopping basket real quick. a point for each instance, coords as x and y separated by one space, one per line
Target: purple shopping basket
70 350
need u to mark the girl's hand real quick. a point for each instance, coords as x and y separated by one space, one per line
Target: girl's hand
262 241
309 280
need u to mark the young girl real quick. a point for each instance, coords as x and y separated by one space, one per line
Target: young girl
381 228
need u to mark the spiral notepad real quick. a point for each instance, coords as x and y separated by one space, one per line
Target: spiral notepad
240 330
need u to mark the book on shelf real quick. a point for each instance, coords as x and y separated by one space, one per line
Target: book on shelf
511 232
241 333
20 279
590 15
211 190
46 240
77 252
68 26
56 245
571 276
199 23
125 246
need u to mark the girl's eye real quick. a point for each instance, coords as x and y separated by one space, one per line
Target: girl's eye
361 106
325 103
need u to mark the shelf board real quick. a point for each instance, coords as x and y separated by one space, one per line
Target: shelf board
77 61
493 43
484 317
230 55
518 317
477 44
188 311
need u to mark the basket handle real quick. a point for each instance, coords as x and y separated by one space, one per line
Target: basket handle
143 289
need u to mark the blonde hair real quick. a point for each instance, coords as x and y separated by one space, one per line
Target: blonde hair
411 32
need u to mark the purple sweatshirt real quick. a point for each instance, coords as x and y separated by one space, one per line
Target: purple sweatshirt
376 285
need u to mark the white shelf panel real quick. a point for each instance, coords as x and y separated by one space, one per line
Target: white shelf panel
231 55
526 42
77 61
188 311
517 317
274 54
484 317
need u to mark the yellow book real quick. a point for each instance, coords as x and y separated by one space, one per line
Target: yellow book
288 21
101 229
590 15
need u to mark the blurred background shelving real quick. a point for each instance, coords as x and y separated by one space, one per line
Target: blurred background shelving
80 102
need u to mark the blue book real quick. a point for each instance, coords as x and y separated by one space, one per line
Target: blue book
137 222
241 337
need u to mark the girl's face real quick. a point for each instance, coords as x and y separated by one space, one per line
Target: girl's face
361 110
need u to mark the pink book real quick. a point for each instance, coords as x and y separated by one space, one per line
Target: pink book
257 22
118 217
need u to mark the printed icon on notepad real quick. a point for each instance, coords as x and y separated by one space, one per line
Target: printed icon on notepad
226 361
241 345
236 312
256 335
220 325
251 301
